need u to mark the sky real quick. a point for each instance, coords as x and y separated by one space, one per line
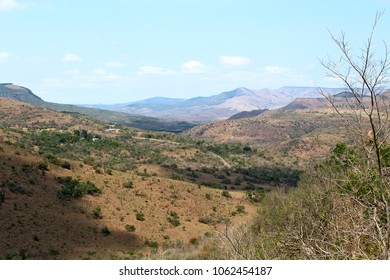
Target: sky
117 51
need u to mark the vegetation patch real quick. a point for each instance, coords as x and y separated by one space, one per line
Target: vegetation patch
173 218
130 228
74 188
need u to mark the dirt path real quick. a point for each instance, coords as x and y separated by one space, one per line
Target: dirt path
224 162
155 140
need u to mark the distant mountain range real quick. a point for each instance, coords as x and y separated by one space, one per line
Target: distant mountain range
9 90
217 107
177 114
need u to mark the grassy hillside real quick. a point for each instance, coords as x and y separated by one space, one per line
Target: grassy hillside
296 134
137 121
72 188
268 187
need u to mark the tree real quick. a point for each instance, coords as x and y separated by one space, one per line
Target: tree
365 109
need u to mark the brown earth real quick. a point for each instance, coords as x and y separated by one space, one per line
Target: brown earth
34 220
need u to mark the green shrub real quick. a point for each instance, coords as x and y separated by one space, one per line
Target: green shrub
128 184
140 216
173 218
65 165
73 188
240 209
256 195
226 194
97 213
151 244
53 159
130 228
43 166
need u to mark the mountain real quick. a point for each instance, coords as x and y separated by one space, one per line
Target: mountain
9 90
304 103
19 93
217 107
247 114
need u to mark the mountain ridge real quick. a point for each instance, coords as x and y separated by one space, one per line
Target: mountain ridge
220 106
23 94
178 113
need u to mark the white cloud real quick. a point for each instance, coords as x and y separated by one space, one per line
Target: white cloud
155 70
9 5
4 56
115 64
193 66
234 60
70 57
276 69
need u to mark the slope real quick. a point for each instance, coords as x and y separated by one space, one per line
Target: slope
290 134
72 187
8 90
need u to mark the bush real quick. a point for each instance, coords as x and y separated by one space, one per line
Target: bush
173 218
151 244
97 213
205 220
105 231
256 195
65 165
226 194
128 184
43 166
73 188
53 159
130 228
140 216
15 188
240 209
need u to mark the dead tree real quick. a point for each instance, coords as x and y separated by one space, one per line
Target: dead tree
366 76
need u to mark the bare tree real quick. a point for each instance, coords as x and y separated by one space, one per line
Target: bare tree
365 108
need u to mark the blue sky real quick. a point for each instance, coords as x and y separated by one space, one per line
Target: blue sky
113 51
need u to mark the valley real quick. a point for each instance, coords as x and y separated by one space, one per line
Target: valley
73 186
156 191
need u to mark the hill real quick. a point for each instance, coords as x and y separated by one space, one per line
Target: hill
247 114
217 107
305 103
23 94
9 90
75 188
290 134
